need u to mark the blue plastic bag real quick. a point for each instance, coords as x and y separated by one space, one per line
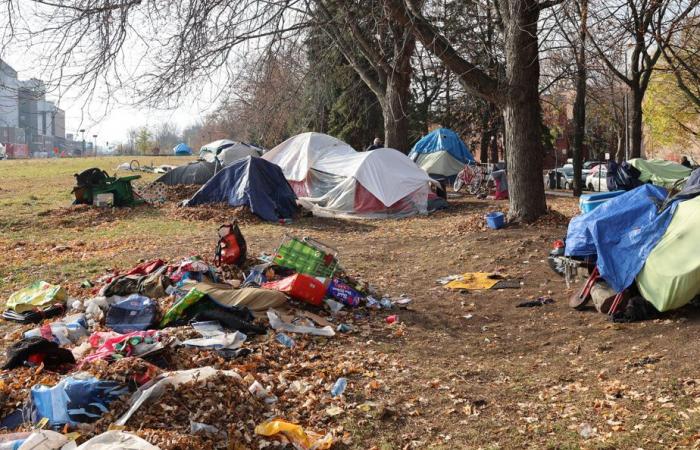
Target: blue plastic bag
135 313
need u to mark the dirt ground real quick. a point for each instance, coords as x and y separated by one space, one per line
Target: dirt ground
468 370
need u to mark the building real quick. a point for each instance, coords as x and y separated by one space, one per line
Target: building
30 125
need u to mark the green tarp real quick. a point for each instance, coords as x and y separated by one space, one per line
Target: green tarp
670 277
38 295
659 172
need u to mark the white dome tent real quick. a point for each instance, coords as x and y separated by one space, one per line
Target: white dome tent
333 180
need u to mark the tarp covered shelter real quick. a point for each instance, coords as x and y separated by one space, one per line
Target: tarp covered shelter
198 172
441 153
621 232
209 151
376 184
252 182
670 277
235 152
659 172
299 154
182 149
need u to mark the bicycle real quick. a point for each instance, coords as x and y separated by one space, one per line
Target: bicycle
475 177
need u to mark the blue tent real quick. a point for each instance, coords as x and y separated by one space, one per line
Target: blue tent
441 152
252 182
182 149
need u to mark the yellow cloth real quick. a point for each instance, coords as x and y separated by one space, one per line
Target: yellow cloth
474 280
670 277
38 295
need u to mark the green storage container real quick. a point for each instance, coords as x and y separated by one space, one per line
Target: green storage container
307 256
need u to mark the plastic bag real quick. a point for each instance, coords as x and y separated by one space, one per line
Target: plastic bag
37 295
64 332
306 440
135 313
178 309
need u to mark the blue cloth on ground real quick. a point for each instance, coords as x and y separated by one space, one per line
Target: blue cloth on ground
74 401
622 232
442 139
252 182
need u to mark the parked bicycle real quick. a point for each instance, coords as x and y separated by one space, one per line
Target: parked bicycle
475 176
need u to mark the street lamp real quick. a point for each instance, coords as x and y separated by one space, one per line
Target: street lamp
83 133
94 137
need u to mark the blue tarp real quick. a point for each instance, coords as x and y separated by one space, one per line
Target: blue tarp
182 149
622 232
439 140
252 182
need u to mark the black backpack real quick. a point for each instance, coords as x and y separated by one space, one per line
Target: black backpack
91 177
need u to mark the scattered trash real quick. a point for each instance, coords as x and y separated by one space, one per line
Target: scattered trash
278 324
339 387
304 440
75 400
539 302
343 328
334 306
344 293
392 319
285 340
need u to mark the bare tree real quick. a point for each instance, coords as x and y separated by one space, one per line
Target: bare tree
639 30
516 93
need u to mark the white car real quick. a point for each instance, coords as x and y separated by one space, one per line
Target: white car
3 152
597 179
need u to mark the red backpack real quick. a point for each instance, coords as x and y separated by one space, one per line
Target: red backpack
231 249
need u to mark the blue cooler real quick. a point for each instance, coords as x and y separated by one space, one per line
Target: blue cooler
589 202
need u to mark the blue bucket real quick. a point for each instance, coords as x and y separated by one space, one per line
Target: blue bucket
495 220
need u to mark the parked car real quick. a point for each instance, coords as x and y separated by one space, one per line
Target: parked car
3 152
588 165
597 179
566 177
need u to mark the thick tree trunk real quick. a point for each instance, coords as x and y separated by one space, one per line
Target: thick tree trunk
636 124
522 114
395 111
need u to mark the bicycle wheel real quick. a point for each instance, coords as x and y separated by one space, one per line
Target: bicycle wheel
474 186
458 183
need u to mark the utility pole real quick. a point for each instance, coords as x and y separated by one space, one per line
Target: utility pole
83 133
94 137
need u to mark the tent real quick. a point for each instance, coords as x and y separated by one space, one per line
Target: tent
251 182
235 152
377 184
198 172
659 172
209 151
670 277
182 149
299 154
441 153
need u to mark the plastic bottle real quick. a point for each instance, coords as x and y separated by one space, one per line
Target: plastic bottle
285 221
285 340
339 386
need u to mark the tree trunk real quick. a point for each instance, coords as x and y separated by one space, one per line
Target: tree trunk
636 124
395 112
580 102
522 114
493 150
485 136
